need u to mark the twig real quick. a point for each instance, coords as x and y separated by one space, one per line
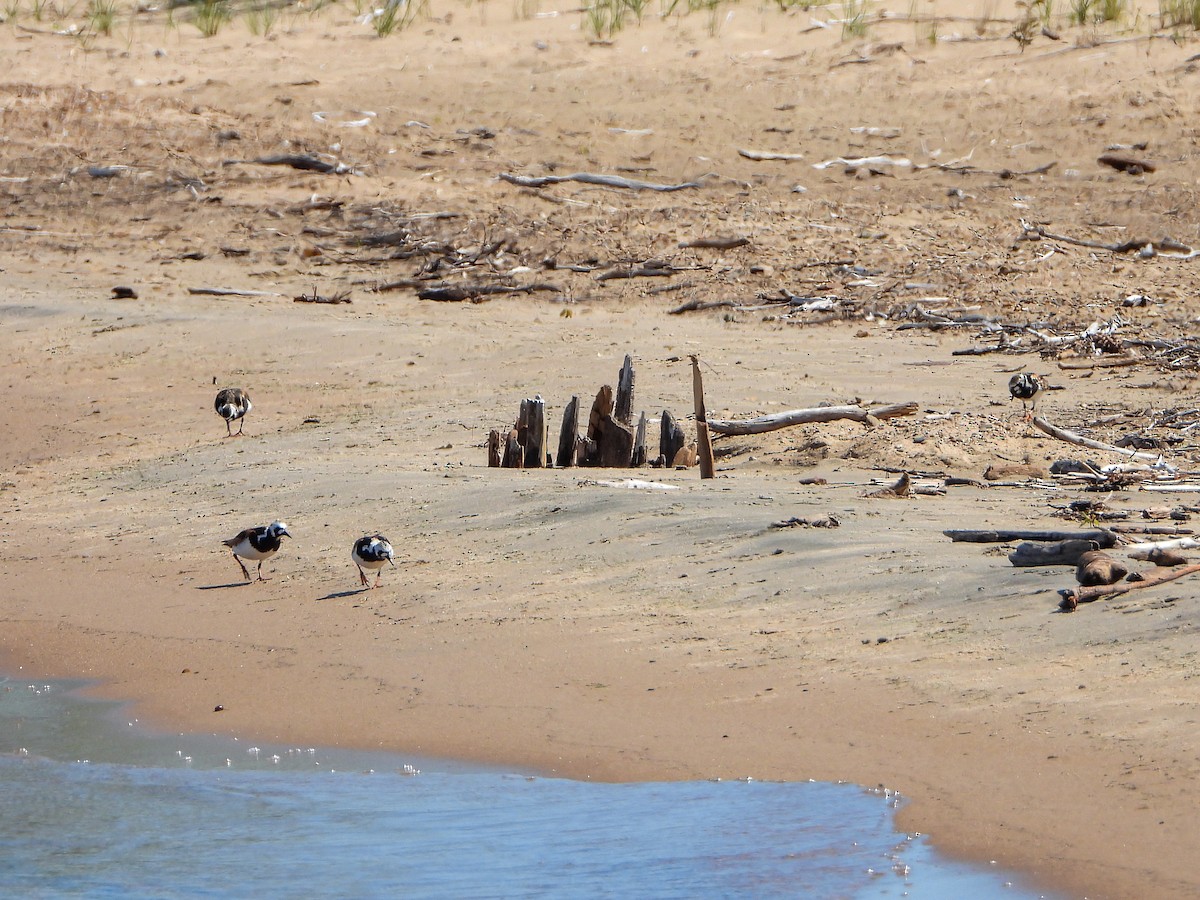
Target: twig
767 156
613 181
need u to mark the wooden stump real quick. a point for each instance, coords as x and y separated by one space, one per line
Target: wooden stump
531 432
623 411
493 450
568 438
639 443
514 453
703 444
671 439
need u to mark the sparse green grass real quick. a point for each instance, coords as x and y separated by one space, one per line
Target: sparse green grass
1112 10
1081 11
261 17
1177 13
12 10
855 18
101 15
211 16
397 15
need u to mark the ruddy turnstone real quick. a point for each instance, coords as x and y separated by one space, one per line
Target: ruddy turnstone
259 543
232 404
1026 387
371 552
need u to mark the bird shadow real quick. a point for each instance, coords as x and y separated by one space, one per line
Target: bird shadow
338 595
220 587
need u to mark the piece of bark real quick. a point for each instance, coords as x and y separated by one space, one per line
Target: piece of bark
623 404
671 438
568 438
1143 551
231 292
685 458
1097 567
809 416
1102 536
1072 438
493 449
900 489
1059 553
514 453
1073 597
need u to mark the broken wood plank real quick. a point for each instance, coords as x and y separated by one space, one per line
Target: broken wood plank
514 453
493 449
809 416
639 443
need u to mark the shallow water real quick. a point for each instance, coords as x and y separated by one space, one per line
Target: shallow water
95 806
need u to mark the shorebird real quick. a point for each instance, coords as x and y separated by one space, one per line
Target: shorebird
232 404
259 543
1026 387
371 552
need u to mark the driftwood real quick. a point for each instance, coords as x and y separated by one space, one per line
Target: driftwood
1138 245
314 297
458 293
694 305
1102 536
493 449
1072 438
639 443
703 443
716 243
1144 550
808 416
648 269
799 521
1059 553
767 156
613 181
1073 597
1097 567
231 292
1127 164
302 162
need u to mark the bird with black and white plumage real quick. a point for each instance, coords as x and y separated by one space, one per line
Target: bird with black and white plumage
1025 387
232 404
259 543
372 551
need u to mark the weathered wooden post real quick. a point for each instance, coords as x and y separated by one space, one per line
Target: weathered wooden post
531 426
671 439
623 409
703 444
568 438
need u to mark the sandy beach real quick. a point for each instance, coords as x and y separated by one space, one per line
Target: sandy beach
560 619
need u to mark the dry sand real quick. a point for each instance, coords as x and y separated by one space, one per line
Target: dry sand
539 618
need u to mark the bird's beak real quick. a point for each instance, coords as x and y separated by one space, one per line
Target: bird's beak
392 561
